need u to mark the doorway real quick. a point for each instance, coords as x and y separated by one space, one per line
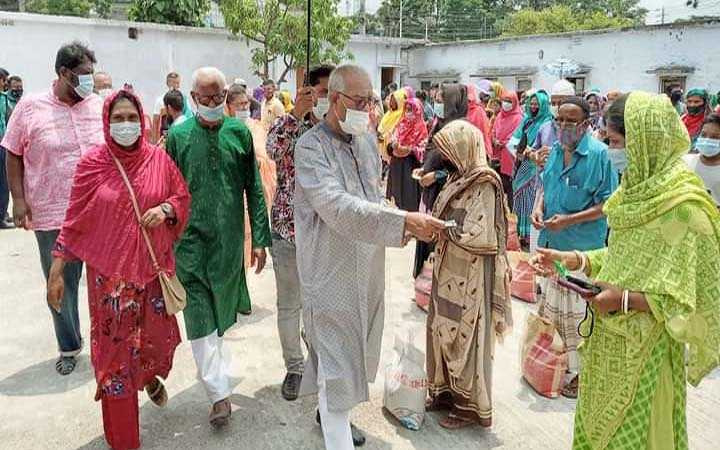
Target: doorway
387 76
667 84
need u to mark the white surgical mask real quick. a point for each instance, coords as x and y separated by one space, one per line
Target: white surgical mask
439 109
618 158
322 107
356 122
125 133
507 106
243 115
554 109
104 93
211 114
85 86
708 147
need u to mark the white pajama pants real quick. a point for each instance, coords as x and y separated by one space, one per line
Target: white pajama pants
213 363
335 425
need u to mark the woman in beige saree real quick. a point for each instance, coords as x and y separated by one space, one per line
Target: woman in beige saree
470 305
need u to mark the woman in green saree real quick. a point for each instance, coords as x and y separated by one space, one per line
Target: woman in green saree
660 288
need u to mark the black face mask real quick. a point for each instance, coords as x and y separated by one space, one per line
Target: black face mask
695 110
534 111
16 93
676 97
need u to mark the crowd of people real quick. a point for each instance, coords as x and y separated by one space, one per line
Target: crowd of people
621 189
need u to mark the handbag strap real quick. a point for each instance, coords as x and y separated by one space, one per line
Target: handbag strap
133 199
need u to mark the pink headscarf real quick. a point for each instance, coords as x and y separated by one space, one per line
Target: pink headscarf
505 125
412 131
100 226
477 116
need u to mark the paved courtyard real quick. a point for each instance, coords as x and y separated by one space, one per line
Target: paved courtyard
41 410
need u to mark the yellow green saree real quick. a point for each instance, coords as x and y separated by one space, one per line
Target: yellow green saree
665 243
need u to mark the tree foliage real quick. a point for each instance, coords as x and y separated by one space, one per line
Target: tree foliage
80 8
173 12
560 19
279 29
480 19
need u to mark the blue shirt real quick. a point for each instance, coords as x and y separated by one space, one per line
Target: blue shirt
587 181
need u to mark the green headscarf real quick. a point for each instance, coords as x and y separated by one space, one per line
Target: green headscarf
659 191
699 92
543 116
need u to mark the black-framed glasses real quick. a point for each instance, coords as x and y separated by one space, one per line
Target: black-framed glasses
360 102
215 98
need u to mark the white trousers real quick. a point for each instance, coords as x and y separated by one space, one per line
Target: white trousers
213 364
335 425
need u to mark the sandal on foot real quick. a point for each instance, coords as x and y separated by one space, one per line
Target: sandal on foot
220 413
438 404
65 365
455 422
571 389
157 392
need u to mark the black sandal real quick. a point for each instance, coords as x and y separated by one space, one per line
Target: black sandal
65 365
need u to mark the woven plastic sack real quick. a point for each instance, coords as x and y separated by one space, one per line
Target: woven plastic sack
543 357
406 385
522 285
423 285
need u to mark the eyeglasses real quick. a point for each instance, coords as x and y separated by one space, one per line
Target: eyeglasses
560 123
360 102
216 98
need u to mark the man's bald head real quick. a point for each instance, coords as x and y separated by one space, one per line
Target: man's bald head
350 79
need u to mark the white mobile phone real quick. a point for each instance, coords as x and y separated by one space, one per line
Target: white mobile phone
450 224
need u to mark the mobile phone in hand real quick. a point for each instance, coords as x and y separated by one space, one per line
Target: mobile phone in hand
581 287
449 224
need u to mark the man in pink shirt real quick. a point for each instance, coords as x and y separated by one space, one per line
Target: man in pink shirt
45 138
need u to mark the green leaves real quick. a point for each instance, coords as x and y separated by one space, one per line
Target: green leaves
80 8
279 28
174 12
561 19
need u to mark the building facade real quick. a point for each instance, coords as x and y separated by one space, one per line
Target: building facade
649 58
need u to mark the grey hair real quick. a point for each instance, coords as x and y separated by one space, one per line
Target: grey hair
339 76
212 73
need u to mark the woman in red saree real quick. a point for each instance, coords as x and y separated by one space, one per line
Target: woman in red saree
507 121
133 339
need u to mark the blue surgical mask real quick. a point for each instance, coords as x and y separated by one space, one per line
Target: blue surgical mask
211 114
618 158
85 86
439 109
708 147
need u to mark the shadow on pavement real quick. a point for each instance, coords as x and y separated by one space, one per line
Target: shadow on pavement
541 404
42 379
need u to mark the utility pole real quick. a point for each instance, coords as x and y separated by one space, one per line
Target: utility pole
426 29
662 20
401 17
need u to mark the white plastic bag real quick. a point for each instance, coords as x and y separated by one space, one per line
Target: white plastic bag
406 385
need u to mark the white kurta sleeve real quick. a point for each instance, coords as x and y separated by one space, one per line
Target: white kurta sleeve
346 214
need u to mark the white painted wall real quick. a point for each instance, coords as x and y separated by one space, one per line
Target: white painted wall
619 59
28 45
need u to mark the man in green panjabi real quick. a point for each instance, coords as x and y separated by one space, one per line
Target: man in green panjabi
216 157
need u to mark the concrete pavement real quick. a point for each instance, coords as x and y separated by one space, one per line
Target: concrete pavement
41 410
